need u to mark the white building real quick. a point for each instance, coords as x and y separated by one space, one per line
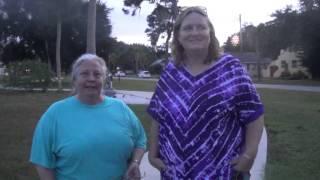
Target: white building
288 62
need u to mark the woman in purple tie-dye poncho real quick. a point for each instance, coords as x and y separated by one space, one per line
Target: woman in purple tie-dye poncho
208 117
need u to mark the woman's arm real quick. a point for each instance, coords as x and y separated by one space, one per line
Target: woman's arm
45 173
253 135
133 171
137 155
153 156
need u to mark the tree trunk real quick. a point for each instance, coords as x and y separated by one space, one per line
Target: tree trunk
47 53
58 61
169 32
91 27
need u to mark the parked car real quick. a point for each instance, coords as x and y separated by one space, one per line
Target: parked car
119 73
144 74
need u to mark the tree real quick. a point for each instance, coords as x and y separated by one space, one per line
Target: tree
160 21
296 30
65 10
15 20
31 33
310 37
308 5
131 57
280 33
230 46
91 30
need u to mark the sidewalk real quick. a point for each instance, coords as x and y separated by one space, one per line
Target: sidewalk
147 171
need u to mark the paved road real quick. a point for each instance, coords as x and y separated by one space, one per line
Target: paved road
267 86
290 87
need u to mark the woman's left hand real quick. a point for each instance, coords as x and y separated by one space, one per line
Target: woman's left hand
242 163
133 172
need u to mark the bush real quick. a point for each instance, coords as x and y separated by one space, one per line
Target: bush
28 74
298 75
285 75
156 69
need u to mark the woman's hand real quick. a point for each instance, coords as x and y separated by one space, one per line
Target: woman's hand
133 172
153 154
242 163
157 163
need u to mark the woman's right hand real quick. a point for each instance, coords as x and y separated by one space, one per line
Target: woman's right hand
157 163
153 154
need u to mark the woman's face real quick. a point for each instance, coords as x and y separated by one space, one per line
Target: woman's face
194 32
89 79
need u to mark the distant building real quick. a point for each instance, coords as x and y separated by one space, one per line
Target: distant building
250 61
2 69
288 63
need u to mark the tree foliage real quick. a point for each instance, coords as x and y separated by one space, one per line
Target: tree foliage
133 57
28 74
160 21
310 36
293 29
28 30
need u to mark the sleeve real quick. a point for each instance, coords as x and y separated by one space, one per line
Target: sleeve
43 142
139 135
153 108
247 99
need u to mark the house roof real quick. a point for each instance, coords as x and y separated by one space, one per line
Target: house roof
249 57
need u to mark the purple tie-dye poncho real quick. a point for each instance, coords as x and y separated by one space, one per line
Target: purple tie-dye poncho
202 118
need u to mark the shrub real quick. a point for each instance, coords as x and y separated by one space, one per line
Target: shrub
298 75
285 75
28 74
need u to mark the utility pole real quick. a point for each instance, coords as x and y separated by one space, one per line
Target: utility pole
91 27
258 57
240 35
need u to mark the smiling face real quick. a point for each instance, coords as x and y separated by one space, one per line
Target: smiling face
194 32
89 80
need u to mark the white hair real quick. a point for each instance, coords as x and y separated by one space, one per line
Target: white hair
87 57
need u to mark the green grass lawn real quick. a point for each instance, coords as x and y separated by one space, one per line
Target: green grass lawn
123 84
292 120
293 123
134 85
142 85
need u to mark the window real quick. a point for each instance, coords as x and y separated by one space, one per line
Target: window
284 64
265 66
294 63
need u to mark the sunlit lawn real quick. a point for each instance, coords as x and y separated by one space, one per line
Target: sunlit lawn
292 119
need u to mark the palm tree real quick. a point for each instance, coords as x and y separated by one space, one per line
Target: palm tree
65 10
91 27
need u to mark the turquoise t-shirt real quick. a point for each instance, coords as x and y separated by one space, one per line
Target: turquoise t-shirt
80 141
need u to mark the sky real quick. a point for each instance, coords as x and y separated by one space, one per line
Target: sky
224 15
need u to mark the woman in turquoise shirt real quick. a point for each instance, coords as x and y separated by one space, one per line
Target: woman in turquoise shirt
88 135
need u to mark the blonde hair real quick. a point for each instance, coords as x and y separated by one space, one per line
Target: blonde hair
177 48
